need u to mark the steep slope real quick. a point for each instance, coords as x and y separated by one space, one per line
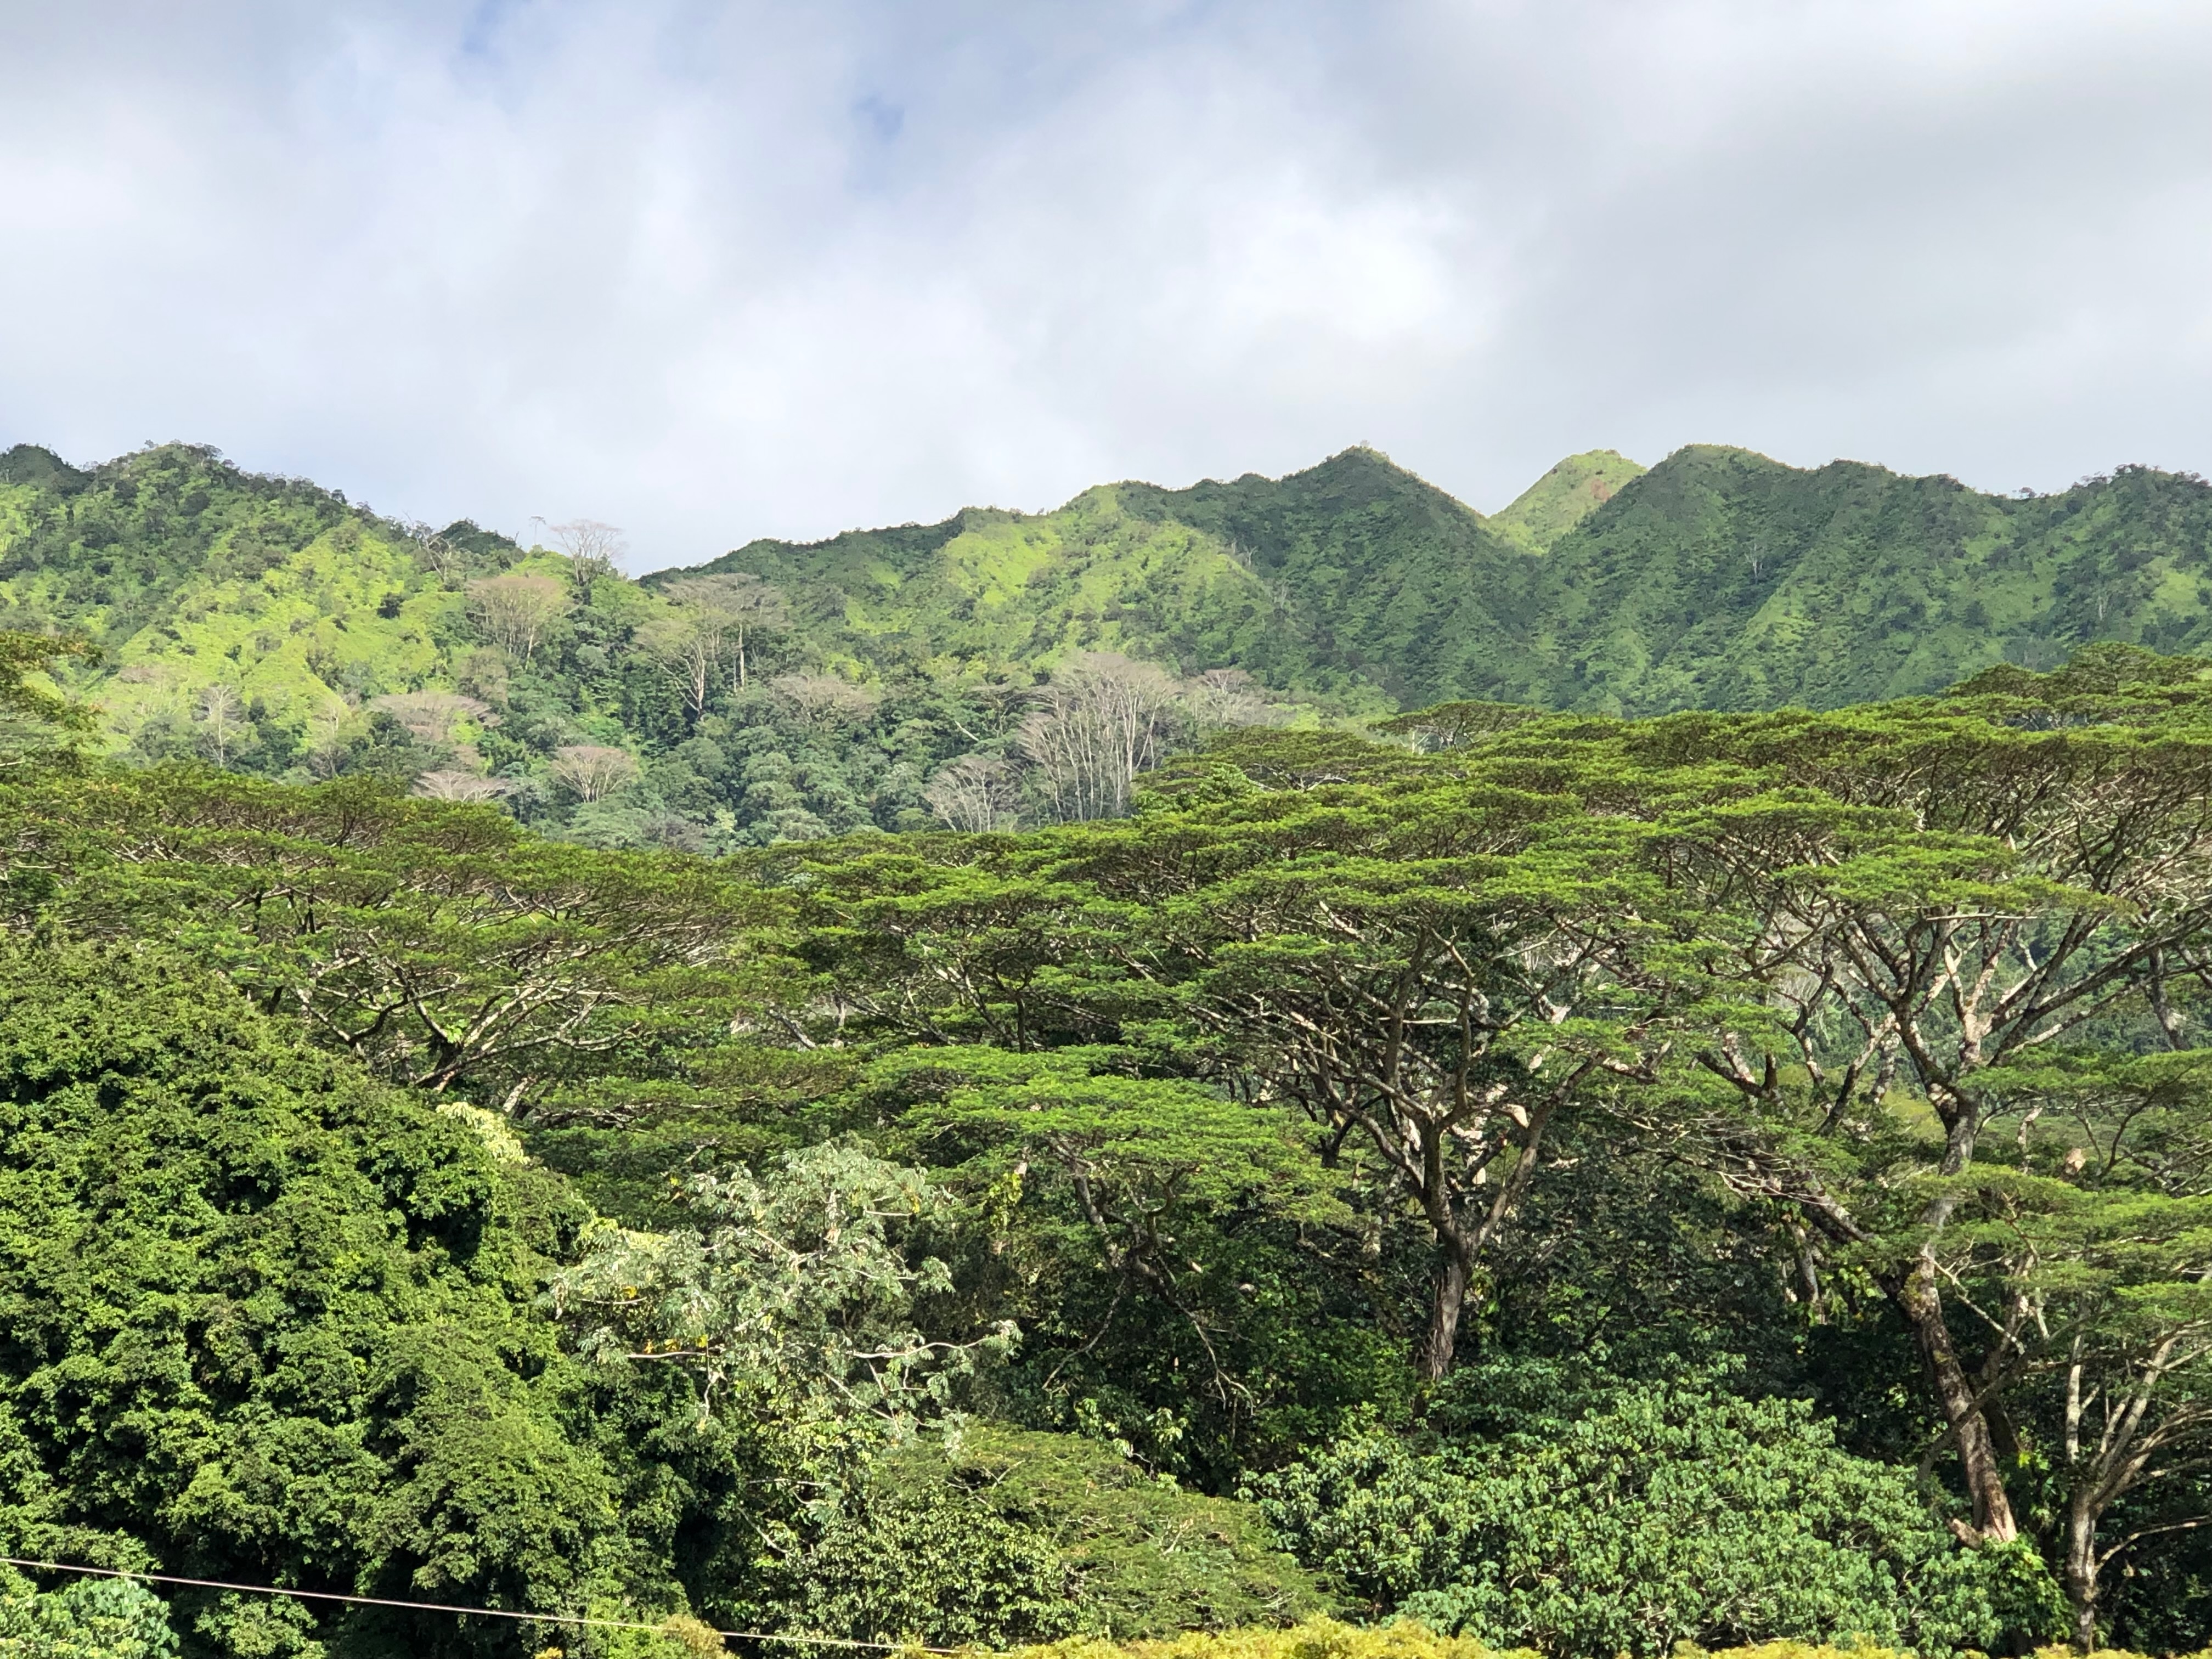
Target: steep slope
336 640
186 571
1004 594
1724 579
1563 498
1354 583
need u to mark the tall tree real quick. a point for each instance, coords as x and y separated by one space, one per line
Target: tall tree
515 610
33 716
1432 972
1963 890
726 613
1102 720
439 944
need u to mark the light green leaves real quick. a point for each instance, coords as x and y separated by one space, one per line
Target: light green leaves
794 1292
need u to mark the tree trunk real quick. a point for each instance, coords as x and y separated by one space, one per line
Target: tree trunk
1448 1297
1915 1295
2081 1572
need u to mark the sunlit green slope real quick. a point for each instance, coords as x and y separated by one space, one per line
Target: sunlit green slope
1718 579
187 572
1354 583
1564 497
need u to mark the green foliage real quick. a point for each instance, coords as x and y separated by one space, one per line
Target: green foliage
934 1570
1321 1637
439 944
1004 1537
1669 1514
1326 1639
31 713
1149 1557
1719 580
85 1618
1385 1127
266 1317
790 1294
1722 580
795 692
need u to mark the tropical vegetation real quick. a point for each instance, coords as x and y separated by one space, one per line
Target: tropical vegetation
1246 1158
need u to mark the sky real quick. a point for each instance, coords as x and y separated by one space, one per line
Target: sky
710 272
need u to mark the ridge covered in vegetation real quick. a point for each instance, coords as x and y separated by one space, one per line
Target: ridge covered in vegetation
1002 667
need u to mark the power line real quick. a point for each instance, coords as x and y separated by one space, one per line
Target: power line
578 1620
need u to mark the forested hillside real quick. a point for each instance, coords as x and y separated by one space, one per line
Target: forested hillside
1587 1185
1002 668
1720 580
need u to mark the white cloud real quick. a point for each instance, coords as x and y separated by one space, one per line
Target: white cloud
716 270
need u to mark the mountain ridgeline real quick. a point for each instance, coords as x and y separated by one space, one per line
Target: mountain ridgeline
945 673
1718 580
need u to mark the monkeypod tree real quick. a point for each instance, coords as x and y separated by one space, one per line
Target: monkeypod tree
1929 895
1144 1160
438 943
1428 963
1431 965
2086 1254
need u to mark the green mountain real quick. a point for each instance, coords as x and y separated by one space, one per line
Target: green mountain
1724 579
1564 497
1354 584
1719 578
273 626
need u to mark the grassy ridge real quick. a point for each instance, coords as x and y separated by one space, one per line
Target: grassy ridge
1720 579
1564 497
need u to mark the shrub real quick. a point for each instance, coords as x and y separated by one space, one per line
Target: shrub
1021 1536
89 1618
1666 1516
1326 1639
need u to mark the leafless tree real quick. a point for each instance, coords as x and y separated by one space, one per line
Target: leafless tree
737 606
221 714
431 715
592 772
1223 697
824 700
460 785
516 609
594 550
1103 719
688 647
325 752
974 794
446 560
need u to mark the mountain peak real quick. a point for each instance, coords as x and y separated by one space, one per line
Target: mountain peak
1564 497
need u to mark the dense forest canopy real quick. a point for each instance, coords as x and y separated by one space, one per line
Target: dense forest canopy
488 1117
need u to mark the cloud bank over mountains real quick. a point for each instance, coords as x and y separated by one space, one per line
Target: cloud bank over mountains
719 270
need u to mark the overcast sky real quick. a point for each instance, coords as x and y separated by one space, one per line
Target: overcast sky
717 270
